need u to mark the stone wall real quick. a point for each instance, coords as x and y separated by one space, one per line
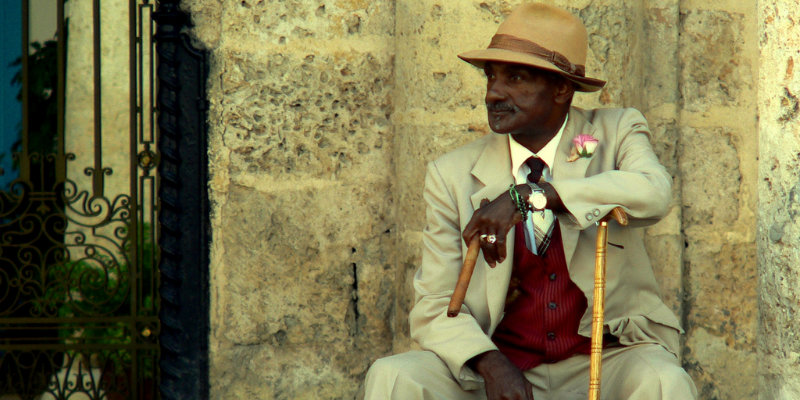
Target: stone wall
779 202
301 168
324 113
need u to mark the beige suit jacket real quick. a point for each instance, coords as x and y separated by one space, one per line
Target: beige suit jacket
623 171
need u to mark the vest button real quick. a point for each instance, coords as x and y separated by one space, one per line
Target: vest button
553 276
552 305
551 336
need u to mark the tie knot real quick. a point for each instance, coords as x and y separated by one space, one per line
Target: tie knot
537 166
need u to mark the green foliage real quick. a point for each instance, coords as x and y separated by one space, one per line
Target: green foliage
99 286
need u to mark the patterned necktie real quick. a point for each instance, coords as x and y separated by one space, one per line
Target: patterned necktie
540 223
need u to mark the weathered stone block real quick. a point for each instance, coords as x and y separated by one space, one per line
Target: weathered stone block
724 271
664 245
660 39
285 22
294 283
409 251
712 374
664 137
721 317
714 67
205 16
423 144
257 372
709 165
614 43
306 115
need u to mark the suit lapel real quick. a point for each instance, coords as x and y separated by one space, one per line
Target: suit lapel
493 170
576 125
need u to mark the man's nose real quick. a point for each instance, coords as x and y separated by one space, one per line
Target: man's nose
495 91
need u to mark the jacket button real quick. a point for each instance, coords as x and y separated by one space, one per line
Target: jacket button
596 212
589 216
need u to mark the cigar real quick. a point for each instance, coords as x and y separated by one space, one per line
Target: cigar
463 278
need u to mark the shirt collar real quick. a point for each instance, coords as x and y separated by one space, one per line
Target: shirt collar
520 153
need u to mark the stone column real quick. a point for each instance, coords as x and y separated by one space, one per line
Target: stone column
779 200
301 188
717 152
86 225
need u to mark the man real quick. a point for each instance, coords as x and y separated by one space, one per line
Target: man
523 331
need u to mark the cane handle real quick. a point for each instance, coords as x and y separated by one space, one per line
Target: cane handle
617 214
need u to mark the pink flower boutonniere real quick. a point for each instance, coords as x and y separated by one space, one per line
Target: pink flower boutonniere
584 147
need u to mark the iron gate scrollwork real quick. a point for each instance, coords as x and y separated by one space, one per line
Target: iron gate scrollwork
81 304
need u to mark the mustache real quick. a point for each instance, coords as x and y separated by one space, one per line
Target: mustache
500 106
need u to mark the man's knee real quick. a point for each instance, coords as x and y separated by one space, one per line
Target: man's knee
383 368
657 377
381 377
396 366
402 375
414 375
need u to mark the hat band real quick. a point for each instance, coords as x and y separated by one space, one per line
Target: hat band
513 43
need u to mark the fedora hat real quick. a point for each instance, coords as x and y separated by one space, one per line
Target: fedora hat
541 36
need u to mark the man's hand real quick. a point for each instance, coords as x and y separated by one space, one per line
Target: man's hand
504 381
495 218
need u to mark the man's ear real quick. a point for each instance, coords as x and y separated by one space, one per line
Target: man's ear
564 92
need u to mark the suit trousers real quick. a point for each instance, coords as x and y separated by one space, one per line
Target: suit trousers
638 372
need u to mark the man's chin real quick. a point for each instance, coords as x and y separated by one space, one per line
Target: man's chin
499 129
499 123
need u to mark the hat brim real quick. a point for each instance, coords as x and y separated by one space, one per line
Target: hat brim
479 57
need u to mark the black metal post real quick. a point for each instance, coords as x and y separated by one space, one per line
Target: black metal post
184 226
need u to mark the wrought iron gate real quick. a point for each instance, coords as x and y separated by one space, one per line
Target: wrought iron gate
80 280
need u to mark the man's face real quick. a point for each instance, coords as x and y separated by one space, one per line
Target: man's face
519 99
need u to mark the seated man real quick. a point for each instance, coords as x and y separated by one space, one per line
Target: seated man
523 331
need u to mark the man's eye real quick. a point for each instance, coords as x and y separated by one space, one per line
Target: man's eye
516 78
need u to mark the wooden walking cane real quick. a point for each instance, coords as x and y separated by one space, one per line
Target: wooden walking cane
598 308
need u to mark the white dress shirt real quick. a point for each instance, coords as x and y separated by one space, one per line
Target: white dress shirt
520 171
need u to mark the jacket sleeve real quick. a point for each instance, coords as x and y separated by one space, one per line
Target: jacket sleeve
633 179
458 339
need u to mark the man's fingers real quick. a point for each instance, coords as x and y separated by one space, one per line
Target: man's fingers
492 247
500 248
489 250
483 224
471 229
